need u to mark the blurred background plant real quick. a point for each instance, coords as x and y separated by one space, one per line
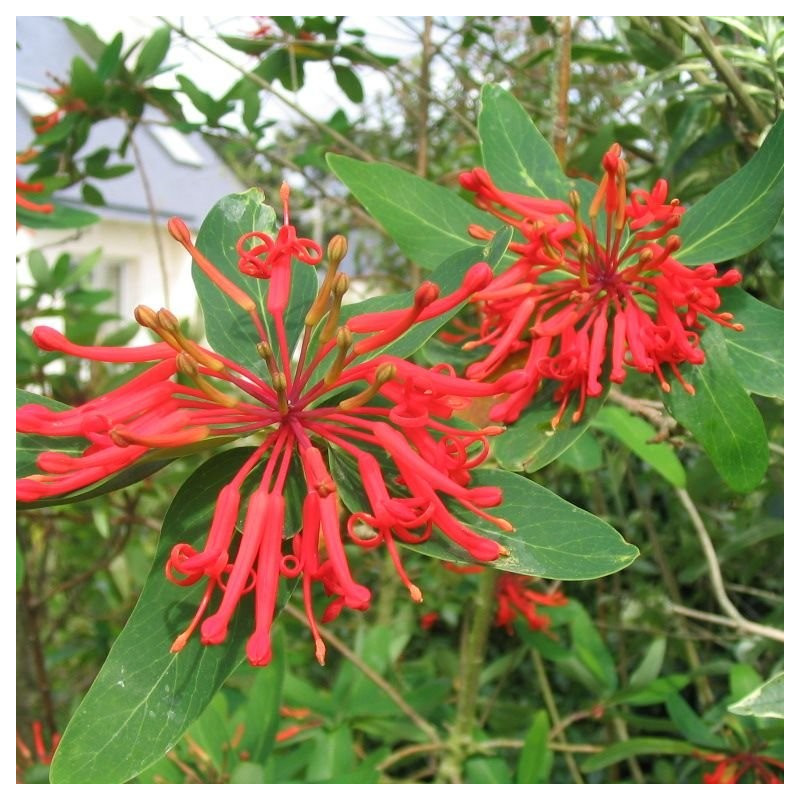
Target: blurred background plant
634 678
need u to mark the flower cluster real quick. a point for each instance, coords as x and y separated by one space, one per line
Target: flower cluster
731 769
25 188
516 598
389 417
579 282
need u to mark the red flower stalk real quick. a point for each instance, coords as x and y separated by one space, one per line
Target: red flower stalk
335 393
41 754
515 598
731 769
575 286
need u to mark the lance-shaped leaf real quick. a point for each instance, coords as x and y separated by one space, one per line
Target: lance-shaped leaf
515 154
62 218
640 746
551 539
756 352
427 222
740 213
229 329
722 416
637 435
145 696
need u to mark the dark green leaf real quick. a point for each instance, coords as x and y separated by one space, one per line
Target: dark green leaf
640 746
637 434
741 212
591 650
428 222
530 443
229 328
145 696
765 701
722 416
84 82
536 758
756 353
693 728
92 196
152 54
243 44
349 83
515 154
109 61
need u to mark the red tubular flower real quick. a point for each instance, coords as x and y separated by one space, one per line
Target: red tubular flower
731 769
42 753
335 393
515 598
621 284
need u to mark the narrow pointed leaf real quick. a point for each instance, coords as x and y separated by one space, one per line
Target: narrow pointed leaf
640 746
515 154
722 417
428 222
536 758
62 217
145 696
741 212
756 352
636 434
229 328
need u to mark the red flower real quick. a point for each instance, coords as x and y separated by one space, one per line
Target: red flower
515 598
30 188
731 769
330 396
621 283
41 754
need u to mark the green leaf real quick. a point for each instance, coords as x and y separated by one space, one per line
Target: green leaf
740 213
515 154
92 195
551 537
530 443
585 455
263 704
85 36
590 649
145 696
60 218
536 758
40 271
349 83
428 222
756 352
722 417
30 445
765 701
487 770
332 756
152 54
84 82
229 328
636 434
691 725
640 746
109 61
650 666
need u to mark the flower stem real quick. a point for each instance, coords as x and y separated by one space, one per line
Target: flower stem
473 654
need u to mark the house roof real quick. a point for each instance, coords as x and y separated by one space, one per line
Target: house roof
185 176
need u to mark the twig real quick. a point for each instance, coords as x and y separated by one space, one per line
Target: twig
407 752
557 732
696 29
370 673
742 625
653 412
151 209
473 653
563 50
715 574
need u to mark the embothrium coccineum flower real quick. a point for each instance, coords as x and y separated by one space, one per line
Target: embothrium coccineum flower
732 768
515 599
341 391
575 285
